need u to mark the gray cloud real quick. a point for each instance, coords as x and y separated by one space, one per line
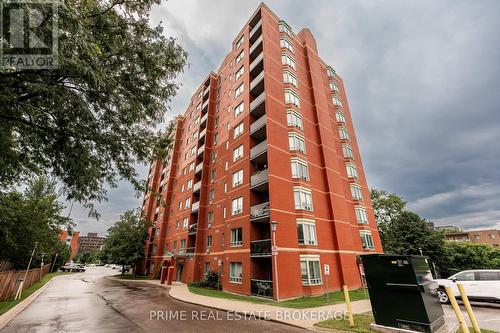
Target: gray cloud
422 80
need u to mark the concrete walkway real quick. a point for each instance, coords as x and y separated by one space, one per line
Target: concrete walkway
304 318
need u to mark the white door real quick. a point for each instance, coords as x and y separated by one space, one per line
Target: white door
468 280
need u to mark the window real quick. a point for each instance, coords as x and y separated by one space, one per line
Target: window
189 184
236 237
235 272
291 97
347 151
300 169
213 173
239 109
336 101
191 166
188 203
356 192
177 223
207 267
182 188
174 246
211 195
287 60
238 153
344 135
185 223
238 130
237 206
224 212
209 242
352 172
240 56
288 77
183 245
286 44
240 72
296 142
340 117
333 87
465 276
237 178
488 275
302 198
216 137
361 216
306 230
210 219
310 270
330 72
294 119
238 90
213 156
285 28
240 42
366 240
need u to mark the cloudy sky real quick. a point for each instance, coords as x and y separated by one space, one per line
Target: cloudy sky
423 83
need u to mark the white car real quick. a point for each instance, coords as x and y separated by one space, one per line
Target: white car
480 285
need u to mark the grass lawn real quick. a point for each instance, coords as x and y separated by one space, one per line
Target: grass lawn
10 303
298 303
362 322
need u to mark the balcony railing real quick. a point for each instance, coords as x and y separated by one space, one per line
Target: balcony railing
206 91
258 149
257 84
204 105
259 212
258 124
204 118
256 47
262 288
255 66
190 251
197 186
257 105
195 206
260 248
202 134
201 150
254 32
193 228
198 168
259 178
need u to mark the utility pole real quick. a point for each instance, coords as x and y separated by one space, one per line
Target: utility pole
20 289
54 263
41 266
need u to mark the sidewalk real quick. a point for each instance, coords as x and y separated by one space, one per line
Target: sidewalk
303 318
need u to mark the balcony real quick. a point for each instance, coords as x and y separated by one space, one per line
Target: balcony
203 120
260 212
258 128
257 84
257 106
257 65
259 181
197 187
256 48
192 229
201 150
195 207
190 251
204 106
202 134
198 168
205 93
258 153
262 288
260 248
256 31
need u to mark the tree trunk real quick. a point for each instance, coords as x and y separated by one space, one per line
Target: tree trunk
135 264
123 269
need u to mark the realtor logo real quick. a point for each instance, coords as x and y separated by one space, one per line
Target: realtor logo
28 34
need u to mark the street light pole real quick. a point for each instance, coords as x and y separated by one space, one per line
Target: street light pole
41 267
274 253
20 289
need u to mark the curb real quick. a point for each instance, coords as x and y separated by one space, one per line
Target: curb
240 312
12 313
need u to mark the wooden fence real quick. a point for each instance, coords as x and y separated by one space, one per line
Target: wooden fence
10 280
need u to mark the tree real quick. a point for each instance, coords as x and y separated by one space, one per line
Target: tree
386 206
29 218
126 239
464 255
89 120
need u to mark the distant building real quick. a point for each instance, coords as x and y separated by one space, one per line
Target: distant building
91 242
448 229
71 240
488 236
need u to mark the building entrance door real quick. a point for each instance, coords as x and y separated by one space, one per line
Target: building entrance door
180 268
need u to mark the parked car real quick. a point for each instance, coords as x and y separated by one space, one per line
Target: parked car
71 267
480 285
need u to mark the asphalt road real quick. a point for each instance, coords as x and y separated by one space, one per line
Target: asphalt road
487 315
88 302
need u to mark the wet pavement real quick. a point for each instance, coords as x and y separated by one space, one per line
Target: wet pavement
89 302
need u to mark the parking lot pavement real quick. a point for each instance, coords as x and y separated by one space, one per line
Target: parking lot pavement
487 315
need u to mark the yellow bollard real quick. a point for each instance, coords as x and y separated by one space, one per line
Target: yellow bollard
468 307
349 306
458 313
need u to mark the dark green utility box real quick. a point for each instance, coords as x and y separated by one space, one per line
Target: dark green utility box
402 292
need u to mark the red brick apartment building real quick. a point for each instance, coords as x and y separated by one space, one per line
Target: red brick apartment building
264 181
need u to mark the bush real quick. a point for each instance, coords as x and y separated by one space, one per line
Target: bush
211 281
